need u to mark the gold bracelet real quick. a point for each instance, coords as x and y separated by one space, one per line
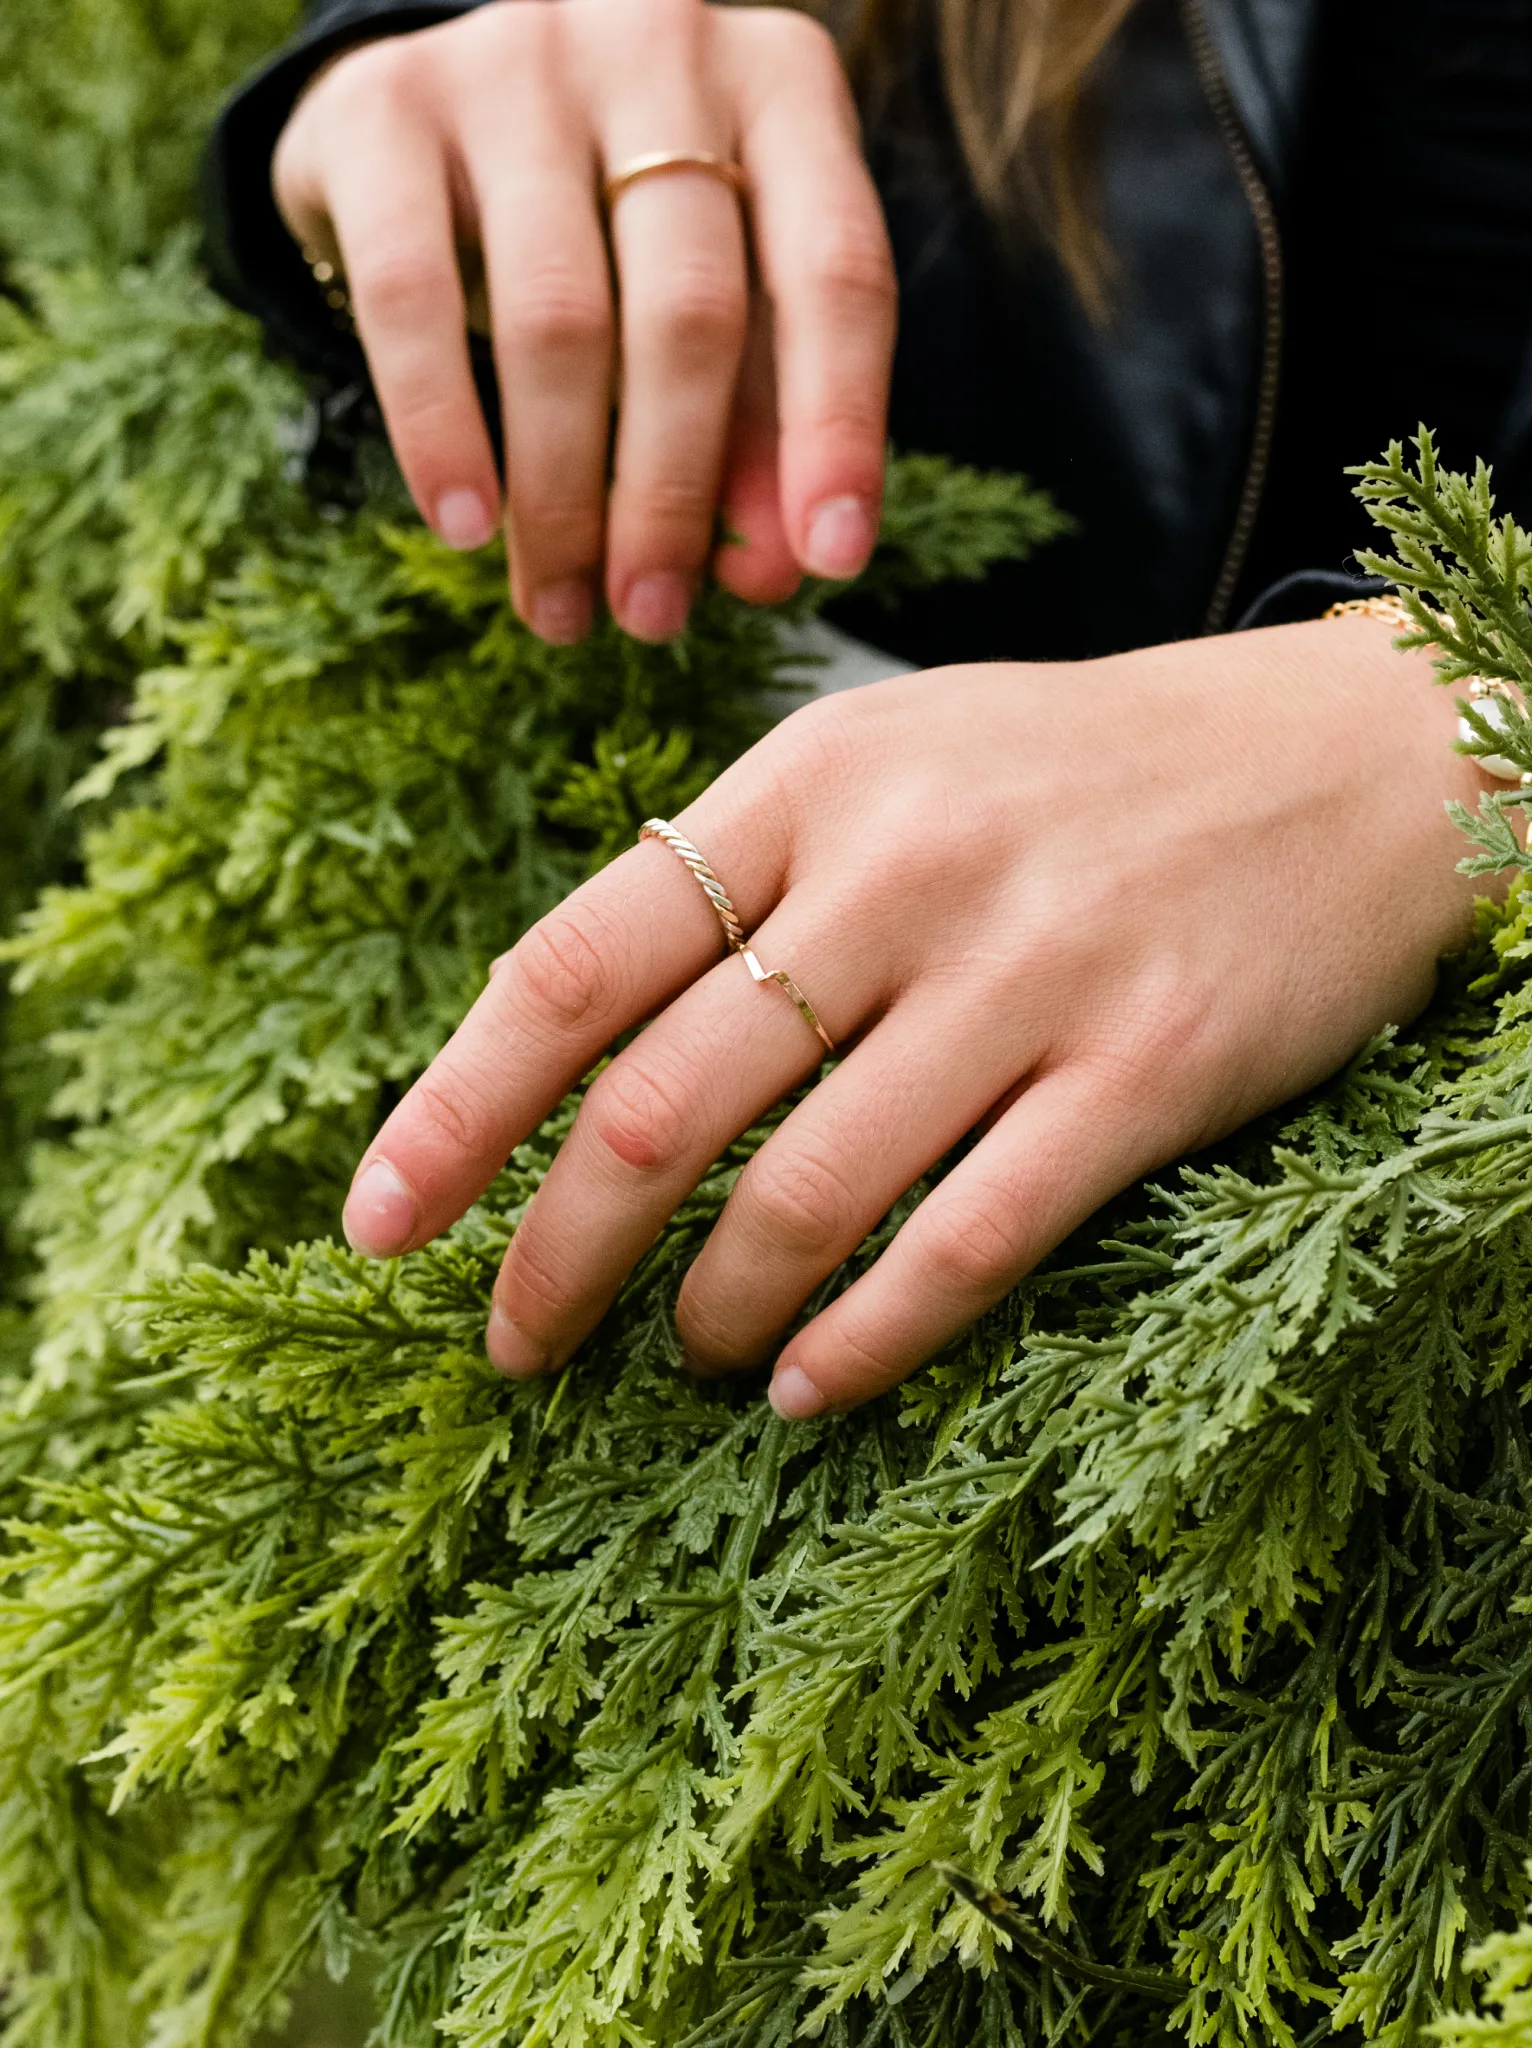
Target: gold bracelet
1488 696
1392 610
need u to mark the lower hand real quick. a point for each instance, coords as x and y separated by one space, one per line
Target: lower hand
457 170
1107 911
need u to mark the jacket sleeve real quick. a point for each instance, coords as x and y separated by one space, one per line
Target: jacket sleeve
1307 594
250 253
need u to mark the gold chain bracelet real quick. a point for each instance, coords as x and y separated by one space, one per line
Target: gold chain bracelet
1392 610
1489 697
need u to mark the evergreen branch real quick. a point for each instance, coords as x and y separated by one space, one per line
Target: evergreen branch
1033 1941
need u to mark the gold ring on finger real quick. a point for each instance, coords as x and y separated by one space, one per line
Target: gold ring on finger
658 161
714 890
785 981
698 866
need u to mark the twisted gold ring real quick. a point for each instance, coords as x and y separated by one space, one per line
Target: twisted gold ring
658 161
713 889
723 906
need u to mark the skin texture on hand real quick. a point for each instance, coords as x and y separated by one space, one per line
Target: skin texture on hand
1104 912
457 172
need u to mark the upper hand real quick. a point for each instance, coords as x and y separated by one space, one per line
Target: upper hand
458 169
1107 911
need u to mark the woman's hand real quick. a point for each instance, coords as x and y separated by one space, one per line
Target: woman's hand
1106 911
462 165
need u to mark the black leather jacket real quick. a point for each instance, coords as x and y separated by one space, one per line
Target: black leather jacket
1154 428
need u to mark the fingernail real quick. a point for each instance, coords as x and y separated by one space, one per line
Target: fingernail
794 1395
655 607
510 1349
561 613
379 1217
841 536
463 519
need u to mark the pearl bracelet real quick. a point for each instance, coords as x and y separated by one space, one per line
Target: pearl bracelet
1490 699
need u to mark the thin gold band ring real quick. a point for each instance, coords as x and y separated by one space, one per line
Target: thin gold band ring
723 908
660 160
785 982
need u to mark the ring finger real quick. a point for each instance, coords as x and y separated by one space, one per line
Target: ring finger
678 242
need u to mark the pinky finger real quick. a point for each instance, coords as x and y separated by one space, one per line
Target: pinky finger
1060 1151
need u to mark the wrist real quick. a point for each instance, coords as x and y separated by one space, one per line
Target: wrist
1425 768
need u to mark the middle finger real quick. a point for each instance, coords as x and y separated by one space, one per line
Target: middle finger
654 1122
549 290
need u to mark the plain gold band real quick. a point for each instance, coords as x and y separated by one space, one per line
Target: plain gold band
659 160
723 907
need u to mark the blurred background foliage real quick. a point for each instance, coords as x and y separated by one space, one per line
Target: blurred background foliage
104 105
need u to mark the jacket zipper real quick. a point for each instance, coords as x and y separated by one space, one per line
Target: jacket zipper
1215 91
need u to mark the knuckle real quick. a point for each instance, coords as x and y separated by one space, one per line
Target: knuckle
396 285
830 726
798 1203
802 36
820 747
671 27
533 1279
861 1366
565 967
436 432
636 1118
973 1247
783 45
708 1326
557 528
454 1113
1166 1028
554 313
526 29
667 508
701 313
380 75
851 264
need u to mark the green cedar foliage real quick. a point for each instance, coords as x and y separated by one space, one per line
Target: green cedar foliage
1185 1600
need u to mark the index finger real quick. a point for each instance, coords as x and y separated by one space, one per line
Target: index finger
620 947
824 260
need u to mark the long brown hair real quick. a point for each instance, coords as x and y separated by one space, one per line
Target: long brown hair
1014 73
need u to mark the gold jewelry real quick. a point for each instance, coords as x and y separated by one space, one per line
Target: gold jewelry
785 981
659 160
330 281
1490 697
1392 610
713 889
723 905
